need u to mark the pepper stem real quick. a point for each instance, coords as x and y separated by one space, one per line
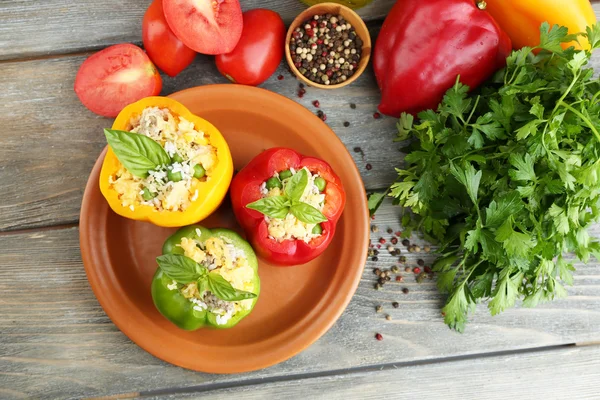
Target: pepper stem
481 5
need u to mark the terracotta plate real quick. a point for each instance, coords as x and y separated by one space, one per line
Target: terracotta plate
296 305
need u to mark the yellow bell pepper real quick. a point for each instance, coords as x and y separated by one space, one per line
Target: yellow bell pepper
211 192
521 19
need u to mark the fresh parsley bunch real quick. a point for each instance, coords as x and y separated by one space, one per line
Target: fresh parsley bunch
507 179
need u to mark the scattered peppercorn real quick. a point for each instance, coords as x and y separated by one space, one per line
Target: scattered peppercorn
417 249
378 336
301 85
346 124
377 286
426 248
378 246
421 277
420 262
324 117
374 259
376 115
402 259
390 230
362 155
427 269
371 252
391 249
326 50
411 249
388 317
381 280
405 290
394 240
374 228
352 106
395 269
379 309
377 271
407 269
388 278
398 233
406 242
376 252
395 304
397 252
280 77
368 167
417 270
381 240
399 278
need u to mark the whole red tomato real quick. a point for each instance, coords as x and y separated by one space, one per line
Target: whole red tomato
165 50
259 51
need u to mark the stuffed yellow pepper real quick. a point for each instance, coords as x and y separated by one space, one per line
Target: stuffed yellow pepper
164 164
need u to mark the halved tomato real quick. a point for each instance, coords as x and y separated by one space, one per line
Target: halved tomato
165 50
115 77
206 26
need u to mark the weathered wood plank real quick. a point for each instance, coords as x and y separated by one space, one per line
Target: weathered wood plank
53 141
566 373
56 341
31 28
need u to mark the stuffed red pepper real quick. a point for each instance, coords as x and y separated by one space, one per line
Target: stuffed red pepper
288 205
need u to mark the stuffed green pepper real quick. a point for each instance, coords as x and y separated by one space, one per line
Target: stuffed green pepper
205 278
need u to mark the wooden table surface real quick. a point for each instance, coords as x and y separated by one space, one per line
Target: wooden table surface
57 342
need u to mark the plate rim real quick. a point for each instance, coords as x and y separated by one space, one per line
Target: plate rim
323 324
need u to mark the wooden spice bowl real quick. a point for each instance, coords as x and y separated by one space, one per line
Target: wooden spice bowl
354 20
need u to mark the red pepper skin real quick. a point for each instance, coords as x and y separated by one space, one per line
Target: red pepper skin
245 189
424 45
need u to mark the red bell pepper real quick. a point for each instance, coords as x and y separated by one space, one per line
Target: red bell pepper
246 188
424 44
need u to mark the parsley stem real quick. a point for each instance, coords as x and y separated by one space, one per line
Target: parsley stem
473 110
583 117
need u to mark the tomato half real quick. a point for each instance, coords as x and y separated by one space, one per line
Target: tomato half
259 51
165 50
115 77
206 26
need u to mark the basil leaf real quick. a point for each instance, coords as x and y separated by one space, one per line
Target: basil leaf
202 284
273 207
307 213
296 185
138 153
223 289
180 268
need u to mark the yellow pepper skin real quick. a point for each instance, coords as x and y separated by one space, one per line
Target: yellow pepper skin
210 193
521 19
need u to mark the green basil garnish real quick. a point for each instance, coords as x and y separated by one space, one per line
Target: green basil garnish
184 270
273 207
295 187
138 153
180 268
307 213
280 206
223 289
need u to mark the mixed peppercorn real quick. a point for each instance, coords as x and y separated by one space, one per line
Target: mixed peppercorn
326 49
419 270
